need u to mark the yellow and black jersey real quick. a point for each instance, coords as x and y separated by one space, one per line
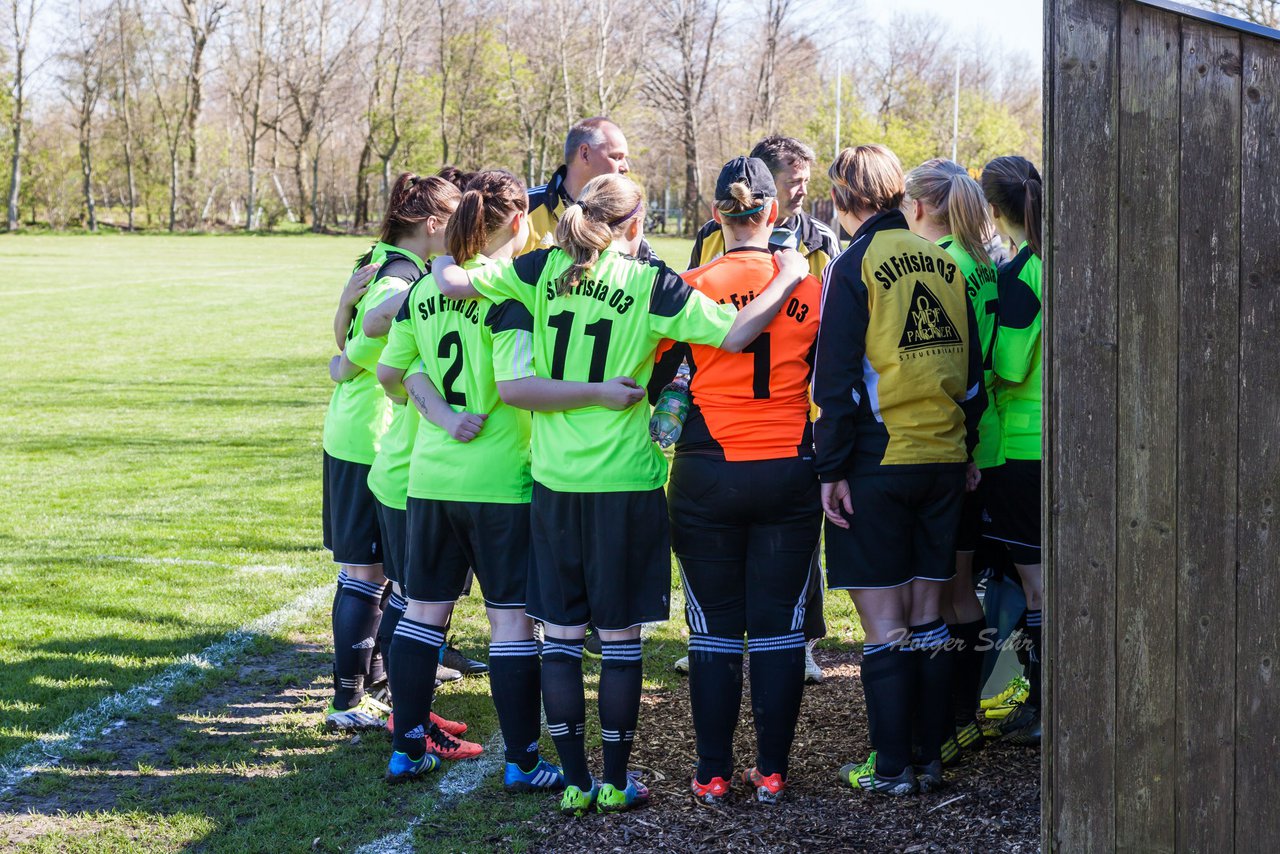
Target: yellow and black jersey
898 369
546 204
806 235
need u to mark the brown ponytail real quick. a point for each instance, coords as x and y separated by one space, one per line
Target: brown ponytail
956 201
487 203
414 199
1013 185
733 210
603 210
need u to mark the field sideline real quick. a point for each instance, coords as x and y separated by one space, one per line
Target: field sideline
161 455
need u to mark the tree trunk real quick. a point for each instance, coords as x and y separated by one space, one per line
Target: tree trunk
299 179
15 128
86 171
361 216
173 186
317 223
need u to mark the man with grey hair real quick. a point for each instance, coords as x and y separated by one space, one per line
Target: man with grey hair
593 147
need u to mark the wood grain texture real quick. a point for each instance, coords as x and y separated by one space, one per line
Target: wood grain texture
1147 447
1081 310
1208 382
1257 746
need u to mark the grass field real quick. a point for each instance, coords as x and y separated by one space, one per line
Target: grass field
161 459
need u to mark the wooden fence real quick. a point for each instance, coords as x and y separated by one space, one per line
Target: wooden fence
1162 468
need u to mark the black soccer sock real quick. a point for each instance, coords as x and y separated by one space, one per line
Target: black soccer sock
378 658
391 615
415 648
333 624
621 679
566 706
966 670
934 720
777 684
1035 637
715 695
888 680
355 623
515 682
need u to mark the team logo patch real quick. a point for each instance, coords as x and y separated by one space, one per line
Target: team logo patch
416 732
928 324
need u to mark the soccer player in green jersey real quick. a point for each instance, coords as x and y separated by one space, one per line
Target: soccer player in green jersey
600 529
358 416
468 492
1012 187
945 205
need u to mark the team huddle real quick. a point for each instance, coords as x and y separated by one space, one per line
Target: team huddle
500 349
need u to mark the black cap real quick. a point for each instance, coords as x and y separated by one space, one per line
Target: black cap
750 171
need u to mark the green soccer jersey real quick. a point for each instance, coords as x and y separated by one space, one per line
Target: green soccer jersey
389 474
608 326
455 340
1017 354
980 282
359 413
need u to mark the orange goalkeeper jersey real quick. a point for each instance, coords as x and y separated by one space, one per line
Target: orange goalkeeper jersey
752 405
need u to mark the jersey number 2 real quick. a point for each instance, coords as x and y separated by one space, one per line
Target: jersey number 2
451 347
760 349
599 331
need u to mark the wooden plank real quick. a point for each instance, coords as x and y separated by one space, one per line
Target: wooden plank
1147 464
1258 578
1208 379
1081 313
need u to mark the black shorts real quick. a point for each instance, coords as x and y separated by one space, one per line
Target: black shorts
600 557
745 534
1015 509
447 538
391 522
903 529
975 519
350 514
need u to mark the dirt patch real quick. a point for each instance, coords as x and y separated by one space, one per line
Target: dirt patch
992 802
136 759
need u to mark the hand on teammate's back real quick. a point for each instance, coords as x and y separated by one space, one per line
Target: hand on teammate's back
358 284
620 393
464 426
792 262
837 503
972 477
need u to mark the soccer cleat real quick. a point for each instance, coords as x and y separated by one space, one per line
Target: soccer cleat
578 803
544 777
365 715
591 643
403 769
713 793
613 799
452 658
969 737
446 674
682 665
950 751
454 728
446 746
812 672
1022 727
867 778
1015 691
768 788
929 776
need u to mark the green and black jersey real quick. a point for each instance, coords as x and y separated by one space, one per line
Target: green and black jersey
546 204
389 474
898 370
458 343
980 282
359 412
1017 353
808 236
608 326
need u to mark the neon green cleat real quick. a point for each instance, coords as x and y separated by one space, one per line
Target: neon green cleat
613 799
578 803
1014 692
865 777
367 714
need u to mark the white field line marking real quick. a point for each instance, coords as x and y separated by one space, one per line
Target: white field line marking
460 780
82 727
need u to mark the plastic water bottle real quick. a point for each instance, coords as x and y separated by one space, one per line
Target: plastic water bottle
671 409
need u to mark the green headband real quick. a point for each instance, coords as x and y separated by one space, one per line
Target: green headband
754 210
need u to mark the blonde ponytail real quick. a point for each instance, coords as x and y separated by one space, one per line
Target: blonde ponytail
956 201
586 228
735 210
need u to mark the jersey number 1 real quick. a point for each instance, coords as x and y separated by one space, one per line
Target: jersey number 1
599 331
762 363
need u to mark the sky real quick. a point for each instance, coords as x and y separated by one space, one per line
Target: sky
1016 24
